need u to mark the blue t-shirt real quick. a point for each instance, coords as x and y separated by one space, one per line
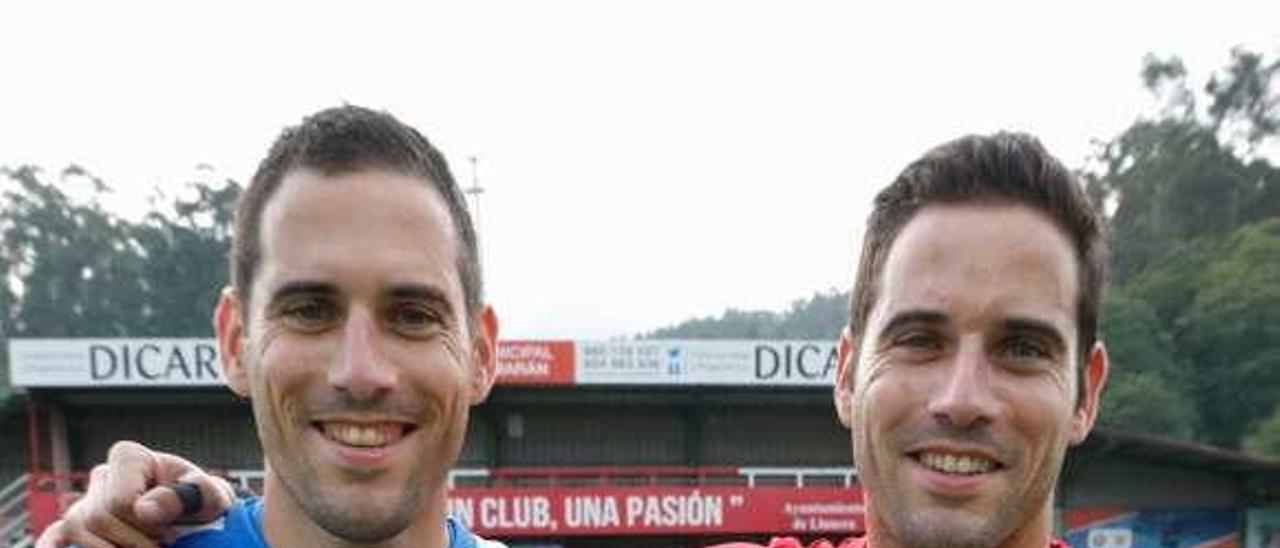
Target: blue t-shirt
241 527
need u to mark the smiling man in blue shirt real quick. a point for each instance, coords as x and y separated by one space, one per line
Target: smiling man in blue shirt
355 326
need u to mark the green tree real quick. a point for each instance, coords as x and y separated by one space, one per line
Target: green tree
75 270
822 316
8 305
1170 285
1242 97
732 324
1265 439
1182 174
1231 334
1146 390
186 256
1192 208
1145 402
819 317
78 274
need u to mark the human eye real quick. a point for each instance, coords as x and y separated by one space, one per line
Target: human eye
413 318
1026 350
312 313
917 342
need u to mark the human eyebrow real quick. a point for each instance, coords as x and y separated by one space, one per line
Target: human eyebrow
288 290
1036 327
429 294
912 317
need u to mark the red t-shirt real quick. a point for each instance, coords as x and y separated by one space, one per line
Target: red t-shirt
792 542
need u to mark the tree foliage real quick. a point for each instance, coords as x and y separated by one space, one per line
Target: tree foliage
1242 97
1185 173
1231 334
73 269
1143 392
1146 402
1194 214
819 317
1265 438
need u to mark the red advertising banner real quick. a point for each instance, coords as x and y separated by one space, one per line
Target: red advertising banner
654 510
528 363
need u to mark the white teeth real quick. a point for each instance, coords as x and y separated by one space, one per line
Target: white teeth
361 435
952 464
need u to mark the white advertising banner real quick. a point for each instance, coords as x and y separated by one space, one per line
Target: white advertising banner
90 363
702 362
105 363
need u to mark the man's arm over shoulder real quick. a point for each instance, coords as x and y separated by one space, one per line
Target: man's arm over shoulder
130 501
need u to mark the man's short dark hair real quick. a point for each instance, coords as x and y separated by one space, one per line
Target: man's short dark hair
1011 168
344 140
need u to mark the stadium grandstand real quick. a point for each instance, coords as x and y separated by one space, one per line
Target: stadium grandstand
635 443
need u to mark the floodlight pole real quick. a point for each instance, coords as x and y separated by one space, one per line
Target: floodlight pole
475 190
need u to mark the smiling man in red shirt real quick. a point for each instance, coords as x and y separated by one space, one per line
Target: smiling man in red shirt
971 362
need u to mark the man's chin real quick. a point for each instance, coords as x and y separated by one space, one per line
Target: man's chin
357 511
360 521
950 527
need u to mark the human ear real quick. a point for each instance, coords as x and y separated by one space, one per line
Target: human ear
1096 368
842 393
484 355
228 323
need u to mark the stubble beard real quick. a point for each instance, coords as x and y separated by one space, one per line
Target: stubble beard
349 521
932 527
354 519
927 529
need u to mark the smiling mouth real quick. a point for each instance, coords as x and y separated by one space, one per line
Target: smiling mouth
363 435
960 465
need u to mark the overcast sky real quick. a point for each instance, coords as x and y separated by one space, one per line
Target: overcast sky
643 162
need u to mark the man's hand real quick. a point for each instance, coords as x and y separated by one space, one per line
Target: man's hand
130 501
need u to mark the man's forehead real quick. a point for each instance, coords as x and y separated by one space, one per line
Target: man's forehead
314 183
1006 260
370 194
371 224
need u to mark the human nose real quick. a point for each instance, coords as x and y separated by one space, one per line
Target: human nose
361 370
966 398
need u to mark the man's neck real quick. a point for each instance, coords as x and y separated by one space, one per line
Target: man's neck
1035 533
285 523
